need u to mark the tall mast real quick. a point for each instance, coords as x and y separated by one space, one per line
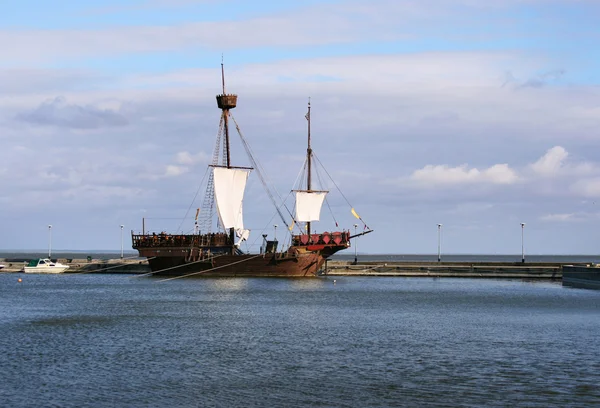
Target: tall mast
308 160
222 75
225 108
225 103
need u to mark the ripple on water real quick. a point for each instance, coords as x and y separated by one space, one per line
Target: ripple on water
115 341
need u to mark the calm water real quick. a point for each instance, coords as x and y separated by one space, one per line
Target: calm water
121 341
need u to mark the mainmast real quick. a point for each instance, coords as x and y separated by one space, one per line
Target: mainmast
308 159
226 102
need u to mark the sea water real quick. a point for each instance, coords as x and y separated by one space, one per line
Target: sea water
77 340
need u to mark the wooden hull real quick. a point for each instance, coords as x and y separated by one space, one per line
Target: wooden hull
173 262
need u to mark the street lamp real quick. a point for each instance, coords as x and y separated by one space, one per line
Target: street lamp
275 233
523 242
355 246
439 242
121 241
49 241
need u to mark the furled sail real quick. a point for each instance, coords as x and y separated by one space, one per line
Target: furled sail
308 205
229 194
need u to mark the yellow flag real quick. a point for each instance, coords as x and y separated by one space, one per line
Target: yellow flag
355 214
292 225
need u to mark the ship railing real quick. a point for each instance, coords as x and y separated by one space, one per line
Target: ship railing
325 238
179 240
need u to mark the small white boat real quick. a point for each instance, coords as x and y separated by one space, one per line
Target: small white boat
1 266
44 265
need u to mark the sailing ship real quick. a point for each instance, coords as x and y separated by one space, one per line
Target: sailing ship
207 253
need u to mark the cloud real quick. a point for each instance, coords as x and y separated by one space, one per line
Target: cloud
559 217
551 162
554 163
304 26
188 159
578 216
552 175
443 174
414 108
536 81
185 161
589 187
173 171
17 81
340 23
145 5
58 113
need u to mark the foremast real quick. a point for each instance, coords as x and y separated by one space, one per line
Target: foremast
226 102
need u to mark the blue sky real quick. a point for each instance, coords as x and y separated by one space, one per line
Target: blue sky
477 115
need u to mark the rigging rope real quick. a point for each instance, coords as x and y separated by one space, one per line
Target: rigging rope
259 171
336 186
208 203
323 187
193 200
103 269
331 212
177 266
208 270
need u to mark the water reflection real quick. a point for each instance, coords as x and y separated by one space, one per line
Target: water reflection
225 284
310 283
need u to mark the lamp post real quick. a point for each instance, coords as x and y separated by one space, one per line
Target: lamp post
522 242
355 246
275 233
121 241
439 242
49 241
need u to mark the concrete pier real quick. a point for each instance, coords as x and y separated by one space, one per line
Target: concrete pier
514 270
133 266
578 276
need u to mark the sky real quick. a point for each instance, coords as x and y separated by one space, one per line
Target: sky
472 114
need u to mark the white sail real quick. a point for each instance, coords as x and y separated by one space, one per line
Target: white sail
229 194
308 205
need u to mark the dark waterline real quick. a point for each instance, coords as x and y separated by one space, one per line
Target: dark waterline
121 341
